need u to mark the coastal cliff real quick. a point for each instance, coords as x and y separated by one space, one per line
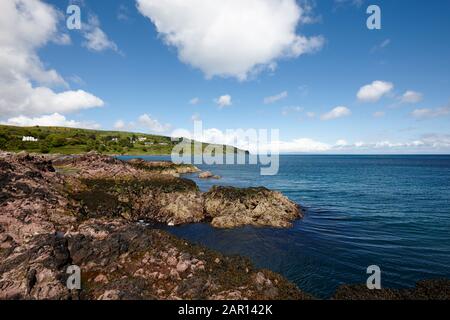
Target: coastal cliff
84 211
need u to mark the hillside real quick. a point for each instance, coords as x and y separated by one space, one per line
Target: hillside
74 141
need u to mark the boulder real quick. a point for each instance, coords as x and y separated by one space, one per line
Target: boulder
208 175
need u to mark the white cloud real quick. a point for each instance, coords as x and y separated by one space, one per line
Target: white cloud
411 97
337 112
194 101
26 26
217 136
341 143
301 145
275 98
62 39
152 124
374 91
232 38
52 120
96 38
427 113
379 114
119 125
311 114
223 101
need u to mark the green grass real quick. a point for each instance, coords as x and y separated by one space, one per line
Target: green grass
63 140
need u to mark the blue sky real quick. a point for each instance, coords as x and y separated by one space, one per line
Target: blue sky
127 74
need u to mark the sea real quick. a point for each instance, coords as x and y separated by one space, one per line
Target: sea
389 211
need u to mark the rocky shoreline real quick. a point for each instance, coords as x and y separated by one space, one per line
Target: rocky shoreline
84 210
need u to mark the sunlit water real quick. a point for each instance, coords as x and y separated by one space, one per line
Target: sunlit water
391 211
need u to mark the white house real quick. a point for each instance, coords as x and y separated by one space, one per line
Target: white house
142 139
29 139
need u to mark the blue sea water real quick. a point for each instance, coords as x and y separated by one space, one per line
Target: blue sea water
390 211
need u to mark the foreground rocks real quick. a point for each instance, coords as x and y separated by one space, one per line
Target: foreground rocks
119 260
438 289
231 207
84 212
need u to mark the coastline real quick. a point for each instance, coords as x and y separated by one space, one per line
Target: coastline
92 234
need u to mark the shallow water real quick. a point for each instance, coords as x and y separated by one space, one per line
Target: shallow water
391 211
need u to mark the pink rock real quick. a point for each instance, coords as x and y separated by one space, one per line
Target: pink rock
182 266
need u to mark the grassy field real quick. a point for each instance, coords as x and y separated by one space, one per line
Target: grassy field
63 140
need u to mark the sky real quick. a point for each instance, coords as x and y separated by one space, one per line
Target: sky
311 69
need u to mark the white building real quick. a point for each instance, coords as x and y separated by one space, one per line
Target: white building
29 139
142 139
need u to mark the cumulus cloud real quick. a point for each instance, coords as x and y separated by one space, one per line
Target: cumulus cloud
427 113
96 38
52 120
231 38
26 26
379 114
152 124
223 101
275 98
374 91
336 113
411 97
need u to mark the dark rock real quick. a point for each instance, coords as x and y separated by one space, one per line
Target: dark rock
31 280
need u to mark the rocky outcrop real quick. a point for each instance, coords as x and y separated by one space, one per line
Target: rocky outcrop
95 165
137 189
163 167
159 198
79 215
230 207
437 289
